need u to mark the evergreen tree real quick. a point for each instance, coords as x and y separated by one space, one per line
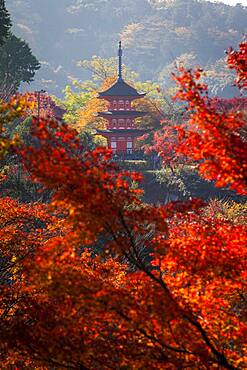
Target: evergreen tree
17 64
5 22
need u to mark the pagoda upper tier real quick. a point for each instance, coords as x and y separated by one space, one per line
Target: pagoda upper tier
121 89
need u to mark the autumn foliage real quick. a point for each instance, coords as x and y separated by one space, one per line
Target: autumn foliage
213 134
97 279
213 137
237 59
15 108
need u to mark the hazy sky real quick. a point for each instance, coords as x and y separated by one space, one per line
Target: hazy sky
233 2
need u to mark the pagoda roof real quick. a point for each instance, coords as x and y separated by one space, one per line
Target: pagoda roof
121 88
122 113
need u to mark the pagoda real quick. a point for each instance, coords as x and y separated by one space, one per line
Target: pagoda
121 131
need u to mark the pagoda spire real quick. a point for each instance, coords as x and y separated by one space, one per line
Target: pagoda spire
120 66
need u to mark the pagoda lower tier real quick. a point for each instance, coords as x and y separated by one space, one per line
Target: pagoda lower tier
121 141
121 132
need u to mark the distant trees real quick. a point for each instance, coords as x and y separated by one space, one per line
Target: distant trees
154 33
177 27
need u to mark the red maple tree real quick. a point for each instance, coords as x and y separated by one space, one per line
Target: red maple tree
213 135
237 59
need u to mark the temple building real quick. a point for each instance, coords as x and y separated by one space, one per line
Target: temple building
121 131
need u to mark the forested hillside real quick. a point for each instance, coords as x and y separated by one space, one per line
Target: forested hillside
155 34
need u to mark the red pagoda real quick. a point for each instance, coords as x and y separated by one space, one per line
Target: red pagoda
121 131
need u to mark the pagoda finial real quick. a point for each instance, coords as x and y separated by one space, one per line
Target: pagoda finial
120 67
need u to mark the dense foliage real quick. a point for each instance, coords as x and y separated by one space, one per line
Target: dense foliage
97 279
